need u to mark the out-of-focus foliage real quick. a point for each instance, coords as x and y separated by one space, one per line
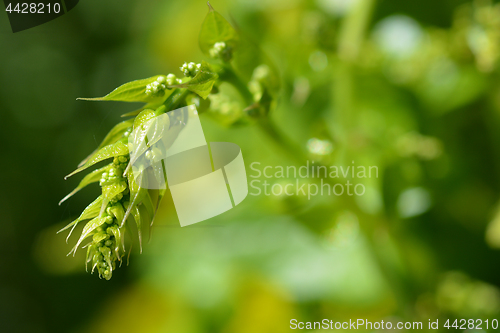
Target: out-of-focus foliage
408 86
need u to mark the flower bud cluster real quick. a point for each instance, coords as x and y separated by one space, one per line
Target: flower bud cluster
104 248
190 69
114 172
158 87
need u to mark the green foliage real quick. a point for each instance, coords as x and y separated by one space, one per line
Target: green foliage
134 91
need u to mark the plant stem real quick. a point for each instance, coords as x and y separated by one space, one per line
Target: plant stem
228 75
175 98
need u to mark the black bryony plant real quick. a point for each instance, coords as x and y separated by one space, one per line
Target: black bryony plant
123 203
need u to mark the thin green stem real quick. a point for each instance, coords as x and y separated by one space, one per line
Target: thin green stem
175 99
228 75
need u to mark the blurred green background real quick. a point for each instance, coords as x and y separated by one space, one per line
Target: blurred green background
409 86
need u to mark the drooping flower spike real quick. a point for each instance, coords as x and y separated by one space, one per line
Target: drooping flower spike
124 206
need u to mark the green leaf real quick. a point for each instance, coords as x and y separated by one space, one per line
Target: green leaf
114 135
118 148
136 213
89 228
92 177
91 252
143 117
136 194
216 29
89 212
134 91
202 83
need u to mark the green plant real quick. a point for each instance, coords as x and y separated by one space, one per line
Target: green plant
236 61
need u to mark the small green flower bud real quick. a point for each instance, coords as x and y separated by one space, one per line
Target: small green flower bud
161 79
122 159
156 88
190 69
171 79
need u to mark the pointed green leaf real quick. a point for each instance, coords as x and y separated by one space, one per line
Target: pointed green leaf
89 212
216 29
114 135
134 91
91 250
136 194
92 177
118 148
136 213
89 228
